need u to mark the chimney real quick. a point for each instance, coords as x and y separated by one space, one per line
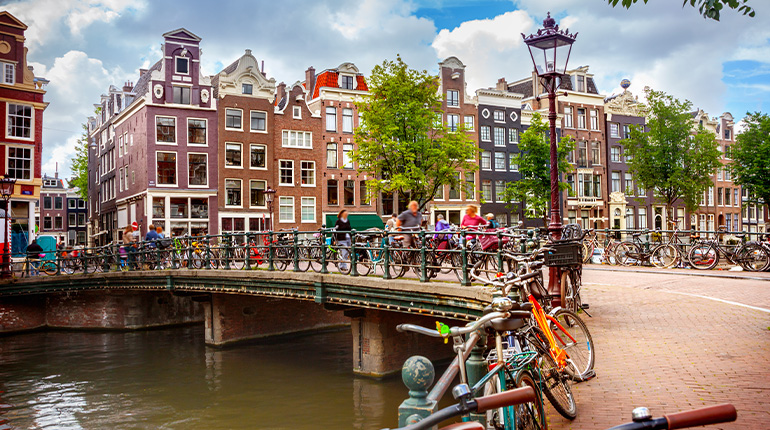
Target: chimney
263 68
128 86
142 72
281 91
310 78
502 85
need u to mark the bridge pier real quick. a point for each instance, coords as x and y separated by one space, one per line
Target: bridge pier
231 318
380 350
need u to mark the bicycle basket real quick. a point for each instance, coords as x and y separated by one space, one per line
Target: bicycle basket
564 254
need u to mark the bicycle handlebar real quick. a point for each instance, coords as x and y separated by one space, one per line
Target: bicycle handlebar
453 331
679 420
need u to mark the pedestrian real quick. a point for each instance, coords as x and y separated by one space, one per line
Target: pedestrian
441 225
491 221
343 238
391 225
129 243
34 250
471 219
151 236
159 230
409 220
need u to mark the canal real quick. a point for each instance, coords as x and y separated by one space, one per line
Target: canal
168 379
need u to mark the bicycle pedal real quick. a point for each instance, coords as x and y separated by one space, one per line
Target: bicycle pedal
585 306
591 374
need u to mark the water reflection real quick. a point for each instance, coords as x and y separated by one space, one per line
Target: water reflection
168 379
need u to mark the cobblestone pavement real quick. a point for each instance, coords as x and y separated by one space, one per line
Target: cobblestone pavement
671 352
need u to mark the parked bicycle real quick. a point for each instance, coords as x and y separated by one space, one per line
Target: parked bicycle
706 253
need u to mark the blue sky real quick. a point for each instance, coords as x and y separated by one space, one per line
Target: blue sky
83 46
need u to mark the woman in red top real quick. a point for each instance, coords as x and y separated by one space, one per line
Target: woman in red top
472 220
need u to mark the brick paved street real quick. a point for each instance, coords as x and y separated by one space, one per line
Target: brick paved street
673 352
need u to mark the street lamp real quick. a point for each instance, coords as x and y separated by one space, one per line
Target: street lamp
6 190
550 49
269 197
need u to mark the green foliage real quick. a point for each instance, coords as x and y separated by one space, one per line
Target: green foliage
751 158
400 143
668 158
708 8
534 160
80 165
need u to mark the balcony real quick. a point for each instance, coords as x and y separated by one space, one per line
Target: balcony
584 202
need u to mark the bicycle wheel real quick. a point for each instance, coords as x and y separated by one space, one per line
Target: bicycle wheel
363 261
753 257
664 256
609 255
314 256
280 258
530 416
588 251
703 256
555 383
572 335
625 253
396 267
570 290
48 267
486 267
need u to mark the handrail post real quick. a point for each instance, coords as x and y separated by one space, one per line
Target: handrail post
322 241
386 257
227 250
270 265
353 256
247 250
423 269
499 251
464 257
207 260
295 253
58 264
85 262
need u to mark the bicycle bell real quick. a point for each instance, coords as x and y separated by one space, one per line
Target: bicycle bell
640 414
502 304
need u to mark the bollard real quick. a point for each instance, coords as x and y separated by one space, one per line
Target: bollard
418 374
499 251
423 269
464 257
353 256
385 258
295 250
270 265
476 367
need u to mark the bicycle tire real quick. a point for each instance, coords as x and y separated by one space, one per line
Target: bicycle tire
588 251
703 256
622 253
314 256
530 416
396 268
581 351
555 384
48 267
753 257
570 290
664 256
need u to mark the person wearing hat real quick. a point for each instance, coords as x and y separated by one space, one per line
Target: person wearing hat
491 221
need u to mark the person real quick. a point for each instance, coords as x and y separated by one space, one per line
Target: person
409 220
343 239
33 256
159 230
151 236
391 226
129 243
471 219
491 221
441 225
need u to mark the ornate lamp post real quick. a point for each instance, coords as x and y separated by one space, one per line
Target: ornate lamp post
6 190
550 49
269 197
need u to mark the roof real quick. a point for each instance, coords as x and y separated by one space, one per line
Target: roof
182 33
330 79
143 84
524 88
7 19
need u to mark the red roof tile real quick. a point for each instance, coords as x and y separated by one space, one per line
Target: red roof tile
330 79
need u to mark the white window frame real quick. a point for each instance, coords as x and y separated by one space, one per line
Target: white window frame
290 198
206 135
176 70
176 169
615 130
233 128
568 118
594 119
313 170
346 156
351 116
498 143
498 118
31 161
481 160
251 128
250 205
330 112
265 148
225 158
176 131
285 184
31 123
495 160
241 187
120 179
452 121
455 102
286 138
472 122
188 169
72 219
489 134
181 103
296 112
5 65
513 136
499 196
302 206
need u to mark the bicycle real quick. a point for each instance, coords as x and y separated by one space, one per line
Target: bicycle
751 256
320 245
34 266
635 251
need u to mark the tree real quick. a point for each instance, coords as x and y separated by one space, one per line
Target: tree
751 158
402 145
80 165
534 188
708 8
668 157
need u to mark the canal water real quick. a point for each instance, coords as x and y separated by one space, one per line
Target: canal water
168 379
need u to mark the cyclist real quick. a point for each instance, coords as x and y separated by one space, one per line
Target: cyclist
441 225
491 221
33 256
391 225
409 220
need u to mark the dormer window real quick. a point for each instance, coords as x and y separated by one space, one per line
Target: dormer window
9 73
348 82
182 65
297 112
182 95
581 84
247 89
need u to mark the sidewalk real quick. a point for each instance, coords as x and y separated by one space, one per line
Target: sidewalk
715 273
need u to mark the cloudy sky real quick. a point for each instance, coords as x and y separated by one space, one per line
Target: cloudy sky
83 46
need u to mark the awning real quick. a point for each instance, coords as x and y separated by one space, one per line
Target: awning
358 222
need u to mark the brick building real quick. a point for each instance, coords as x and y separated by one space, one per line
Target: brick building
245 117
77 212
53 208
22 137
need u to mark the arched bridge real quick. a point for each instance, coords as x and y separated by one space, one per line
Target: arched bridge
243 304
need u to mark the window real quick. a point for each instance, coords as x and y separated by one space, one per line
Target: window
582 153
629 218
626 131
296 113
500 191
581 83
513 162
614 129
58 223
728 193
178 207
711 196
233 155
347 161
347 82
72 220
719 174
454 191
567 117
332 193
615 154
19 121
58 203
19 163
307 173
196 131
452 98
258 156
247 89
166 168
81 219
571 184
286 172
120 146
581 118
486 190
499 136
363 195
486 160
72 204
125 180
47 202
258 120
285 209
9 73
499 116
120 179
719 196
642 213
257 194
347 120
348 192
198 165
452 122
331 155
232 192
500 161
47 224
728 152
165 129
594 119
589 185
485 133
233 118
728 175
727 134
629 184
736 199
469 123
297 139
182 65
615 182
181 95
331 118
513 136
307 209
595 154
470 184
